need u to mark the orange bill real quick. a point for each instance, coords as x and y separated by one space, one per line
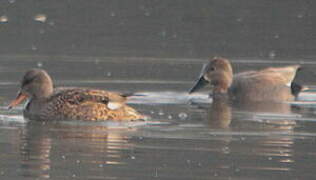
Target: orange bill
18 100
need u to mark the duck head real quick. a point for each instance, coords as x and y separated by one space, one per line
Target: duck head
36 83
218 73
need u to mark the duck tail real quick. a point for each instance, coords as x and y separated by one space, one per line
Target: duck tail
296 88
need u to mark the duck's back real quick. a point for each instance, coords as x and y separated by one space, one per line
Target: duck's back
82 104
271 84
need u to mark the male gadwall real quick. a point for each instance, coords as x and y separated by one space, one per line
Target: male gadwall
48 103
270 84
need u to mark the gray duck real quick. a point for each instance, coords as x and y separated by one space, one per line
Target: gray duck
274 84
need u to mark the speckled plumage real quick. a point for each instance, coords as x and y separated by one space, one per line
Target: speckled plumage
77 104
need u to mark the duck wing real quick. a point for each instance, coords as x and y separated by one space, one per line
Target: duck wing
276 76
288 73
76 96
87 104
266 84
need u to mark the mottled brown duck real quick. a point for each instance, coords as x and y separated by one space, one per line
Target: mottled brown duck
274 84
48 103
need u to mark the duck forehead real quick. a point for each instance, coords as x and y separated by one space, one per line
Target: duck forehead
33 72
31 75
27 79
219 61
221 64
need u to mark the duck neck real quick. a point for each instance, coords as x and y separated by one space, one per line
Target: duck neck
220 90
220 97
221 82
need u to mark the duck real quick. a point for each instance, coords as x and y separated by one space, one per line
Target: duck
273 84
70 103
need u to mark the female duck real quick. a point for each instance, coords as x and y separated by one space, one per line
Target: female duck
47 103
270 84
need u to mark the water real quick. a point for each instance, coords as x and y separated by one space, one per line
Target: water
187 137
153 28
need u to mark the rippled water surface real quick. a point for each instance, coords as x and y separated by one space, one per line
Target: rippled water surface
187 137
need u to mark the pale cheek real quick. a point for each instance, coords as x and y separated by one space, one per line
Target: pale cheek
206 78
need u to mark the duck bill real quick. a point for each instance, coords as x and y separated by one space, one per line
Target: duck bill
199 84
18 100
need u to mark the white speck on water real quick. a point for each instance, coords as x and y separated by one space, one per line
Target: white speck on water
147 13
34 48
112 14
77 161
109 74
96 61
163 33
169 117
270 158
51 23
183 116
40 18
226 150
41 31
39 64
73 176
133 157
161 113
4 19
122 23
242 138
272 54
300 15
239 19
152 112
64 157
188 161
11 1
276 36
100 165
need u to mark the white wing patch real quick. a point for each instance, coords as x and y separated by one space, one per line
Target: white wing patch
289 84
114 105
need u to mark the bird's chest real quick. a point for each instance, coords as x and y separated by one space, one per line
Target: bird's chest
34 110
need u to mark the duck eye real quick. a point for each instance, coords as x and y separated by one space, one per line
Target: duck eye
27 81
212 68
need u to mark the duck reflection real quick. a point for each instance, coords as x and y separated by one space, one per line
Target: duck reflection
35 149
258 132
219 113
46 147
